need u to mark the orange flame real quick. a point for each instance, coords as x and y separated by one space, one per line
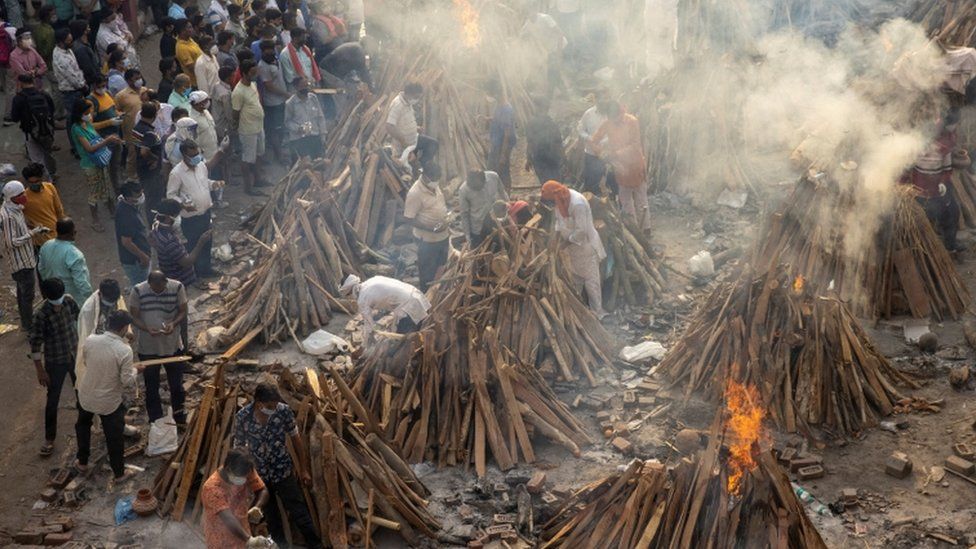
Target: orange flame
745 415
798 284
470 32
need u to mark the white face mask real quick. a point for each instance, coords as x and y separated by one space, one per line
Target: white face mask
413 102
139 83
86 118
236 480
267 411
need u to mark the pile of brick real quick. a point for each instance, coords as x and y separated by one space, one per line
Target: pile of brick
620 414
51 531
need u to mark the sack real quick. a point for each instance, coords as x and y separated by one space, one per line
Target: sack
321 342
163 438
101 157
41 120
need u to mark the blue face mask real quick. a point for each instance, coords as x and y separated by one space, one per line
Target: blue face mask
186 93
57 301
194 160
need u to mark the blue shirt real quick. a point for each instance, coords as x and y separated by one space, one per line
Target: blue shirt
267 442
501 121
62 259
176 12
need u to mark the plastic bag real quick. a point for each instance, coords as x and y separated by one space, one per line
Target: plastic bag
321 342
123 511
163 438
643 351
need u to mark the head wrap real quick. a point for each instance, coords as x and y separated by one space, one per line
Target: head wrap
350 284
12 189
198 97
558 193
515 207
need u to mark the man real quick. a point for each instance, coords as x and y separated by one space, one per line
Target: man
176 11
131 236
305 122
262 427
346 61
167 40
206 67
225 50
477 195
217 14
328 31
519 213
234 25
43 33
297 60
271 84
168 68
60 258
387 295
207 139
158 307
179 98
148 154
624 151
16 241
544 144
128 104
228 497
102 384
25 59
93 317
574 225
220 104
190 181
594 167
249 122
401 122
174 261
501 134
113 30
67 73
187 50
43 207
33 109
54 338
64 11
426 211
84 53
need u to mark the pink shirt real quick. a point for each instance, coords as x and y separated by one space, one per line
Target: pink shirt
24 61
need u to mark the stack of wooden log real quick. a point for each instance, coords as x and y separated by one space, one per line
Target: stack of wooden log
903 269
359 483
807 352
949 21
636 279
501 317
690 506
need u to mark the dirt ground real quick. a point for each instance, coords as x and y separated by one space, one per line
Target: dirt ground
893 513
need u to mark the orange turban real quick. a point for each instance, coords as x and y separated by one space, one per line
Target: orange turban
558 193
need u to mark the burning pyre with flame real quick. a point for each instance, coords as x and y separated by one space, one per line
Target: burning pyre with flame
468 17
744 416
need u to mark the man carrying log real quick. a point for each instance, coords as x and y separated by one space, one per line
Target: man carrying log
385 295
227 496
264 427
477 195
426 211
574 225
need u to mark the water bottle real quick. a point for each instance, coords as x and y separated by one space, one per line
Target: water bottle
807 497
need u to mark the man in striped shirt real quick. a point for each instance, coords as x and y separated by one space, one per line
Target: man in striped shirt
158 307
174 261
16 242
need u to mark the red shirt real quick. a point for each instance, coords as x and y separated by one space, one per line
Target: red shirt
218 495
934 166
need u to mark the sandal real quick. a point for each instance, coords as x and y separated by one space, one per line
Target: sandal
46 449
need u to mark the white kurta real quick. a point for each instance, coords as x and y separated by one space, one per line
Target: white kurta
585 249
388 295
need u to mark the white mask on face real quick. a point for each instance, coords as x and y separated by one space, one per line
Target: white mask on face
236 480
86 118
413 101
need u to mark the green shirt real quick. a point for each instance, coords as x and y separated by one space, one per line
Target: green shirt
64 8
62 259
44 41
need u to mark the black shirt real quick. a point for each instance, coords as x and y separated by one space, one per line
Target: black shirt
87 60
20 110
146 136
164 89
167 45
130 222
543 141
345 59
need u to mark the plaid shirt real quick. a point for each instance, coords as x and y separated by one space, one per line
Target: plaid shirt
56 331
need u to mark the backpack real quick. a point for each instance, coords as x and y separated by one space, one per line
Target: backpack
41 127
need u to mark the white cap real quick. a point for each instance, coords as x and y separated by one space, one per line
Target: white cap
186 122
12 189
349 285
198 97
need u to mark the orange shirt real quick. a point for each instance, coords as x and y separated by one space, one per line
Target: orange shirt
43 209
626 152
218 495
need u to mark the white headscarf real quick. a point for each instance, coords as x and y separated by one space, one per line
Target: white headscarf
350 285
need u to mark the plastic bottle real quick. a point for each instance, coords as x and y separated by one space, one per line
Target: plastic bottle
807 497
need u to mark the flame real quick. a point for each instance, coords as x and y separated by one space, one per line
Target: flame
468 16
745 415
798 284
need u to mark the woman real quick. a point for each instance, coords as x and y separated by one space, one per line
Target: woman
574 224
94 154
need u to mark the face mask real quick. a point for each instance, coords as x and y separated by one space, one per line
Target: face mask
126 63
140 201
107 303
303 93
87 118
19 200
413 102
36 187
236 480
214 50
57 301
138 83
186 93
267 411
194 160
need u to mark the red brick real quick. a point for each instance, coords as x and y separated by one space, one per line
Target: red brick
57 539
623 445
30 536
898 465
959 465
536 483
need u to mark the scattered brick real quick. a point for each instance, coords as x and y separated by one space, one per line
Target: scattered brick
59 538
787 455
964 451
30 536
623 445
959 465
60 479
849 496
811 472
536 483
49 495
799 463
898 465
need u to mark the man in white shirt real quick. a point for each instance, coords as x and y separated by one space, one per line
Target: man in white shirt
384 295
426 211
67 73
205 68
401 122
593 166
108 373
190 183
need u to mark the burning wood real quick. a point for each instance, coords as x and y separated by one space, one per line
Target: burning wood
692 505
359 482
498 319
807 352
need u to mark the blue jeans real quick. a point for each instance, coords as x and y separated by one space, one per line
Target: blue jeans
136 273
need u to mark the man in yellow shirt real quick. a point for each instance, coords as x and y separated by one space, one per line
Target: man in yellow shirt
43 207
187 49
